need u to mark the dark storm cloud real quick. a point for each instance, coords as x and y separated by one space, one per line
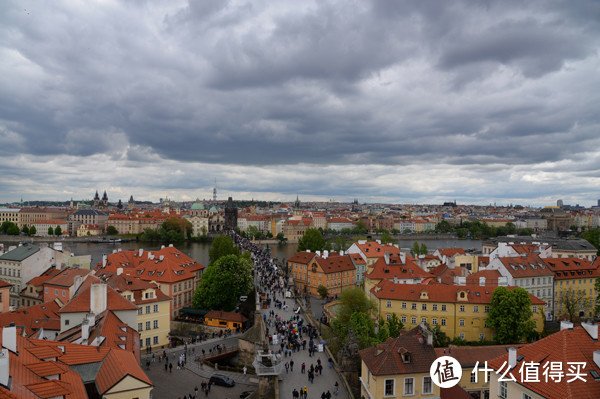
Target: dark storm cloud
203 87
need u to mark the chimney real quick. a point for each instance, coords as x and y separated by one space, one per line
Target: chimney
114 251
97 298
161 257
119 271
325 254
104 259
378 242
9 338
5 366
387 257
403 257
597 358
76 284
566 325
592 330
162 247
318 253
512 357
140 252
85 331
341 253
170 245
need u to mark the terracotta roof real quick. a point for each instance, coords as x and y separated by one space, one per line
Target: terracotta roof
302 257
467 356
456 392
572 268
357 259
32 318
372 249
562 347
122 283
174 267
450 252
4 284
117 365
49 389
381 270
335 263
66 277
229 316
385 358
81 300
41 279
491 278
118 335
386 289
529 266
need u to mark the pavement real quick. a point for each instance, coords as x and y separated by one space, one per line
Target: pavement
295 379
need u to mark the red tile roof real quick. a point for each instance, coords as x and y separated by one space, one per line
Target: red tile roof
174 267
386 289
117 365
572 268
302 257
372 249
563 347
491 278
335 263
530 266
81 300
66 277
4 284
41 279
32 318
122 283
450 252
381 270
386 358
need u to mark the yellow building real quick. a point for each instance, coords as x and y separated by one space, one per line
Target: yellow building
574 281
460 311
398 368
231 320
153 318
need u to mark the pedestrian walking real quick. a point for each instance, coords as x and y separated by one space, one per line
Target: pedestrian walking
336 388
291 365
170 367
245 369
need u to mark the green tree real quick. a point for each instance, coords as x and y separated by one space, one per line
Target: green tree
322 291
364 329
354 300
222 245
5 226
58 231
223 282
360 228
50 231
394 325
444 227
593 237
418 249
32 231
572 302
339 243
510 315
281 237
311 240
25 229
395 232
13 230
112 230
386 239
252 232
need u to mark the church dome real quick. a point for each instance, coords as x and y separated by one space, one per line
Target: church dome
197 206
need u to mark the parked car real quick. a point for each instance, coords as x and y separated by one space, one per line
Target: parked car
245 394
222 380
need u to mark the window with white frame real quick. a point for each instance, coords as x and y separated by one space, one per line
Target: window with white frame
434 322
503 390
461 322
443 322
388 304
435 307
390 387
427 386
413 320
409 386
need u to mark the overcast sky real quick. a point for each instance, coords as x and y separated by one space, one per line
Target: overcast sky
383 101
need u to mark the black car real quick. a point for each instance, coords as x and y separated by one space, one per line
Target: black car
245 394
222 380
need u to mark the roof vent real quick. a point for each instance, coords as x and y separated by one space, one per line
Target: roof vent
592 330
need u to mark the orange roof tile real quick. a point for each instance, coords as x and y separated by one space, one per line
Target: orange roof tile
530 266
117 365
386 289
66 277
562 347
81 301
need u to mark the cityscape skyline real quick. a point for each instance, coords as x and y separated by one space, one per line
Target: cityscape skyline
386 102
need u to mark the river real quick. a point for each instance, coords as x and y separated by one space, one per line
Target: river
199 251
